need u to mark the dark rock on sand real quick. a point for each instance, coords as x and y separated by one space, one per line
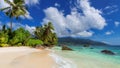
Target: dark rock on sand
108 52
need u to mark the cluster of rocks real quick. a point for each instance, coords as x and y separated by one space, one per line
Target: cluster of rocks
108 52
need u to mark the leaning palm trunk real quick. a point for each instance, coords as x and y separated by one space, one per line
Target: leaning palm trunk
11 25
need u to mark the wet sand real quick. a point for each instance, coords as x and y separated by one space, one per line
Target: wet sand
24 57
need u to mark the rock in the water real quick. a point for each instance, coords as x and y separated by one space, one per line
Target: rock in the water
86 45
66 48
108 52
91 48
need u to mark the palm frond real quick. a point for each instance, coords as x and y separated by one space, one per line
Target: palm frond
6 8
18 1
9 2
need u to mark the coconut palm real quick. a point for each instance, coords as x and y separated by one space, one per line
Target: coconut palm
46 34
15 9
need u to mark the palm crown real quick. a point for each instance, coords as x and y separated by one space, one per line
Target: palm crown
15 8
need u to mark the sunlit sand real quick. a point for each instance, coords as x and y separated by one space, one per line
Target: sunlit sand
24 57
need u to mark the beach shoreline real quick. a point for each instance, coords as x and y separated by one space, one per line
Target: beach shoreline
26 57
88 58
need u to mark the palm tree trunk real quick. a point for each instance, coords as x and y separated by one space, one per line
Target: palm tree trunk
11 24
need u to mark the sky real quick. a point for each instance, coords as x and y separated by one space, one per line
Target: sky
92 19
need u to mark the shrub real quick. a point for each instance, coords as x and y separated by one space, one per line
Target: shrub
3 38
33 42
19 36
4 45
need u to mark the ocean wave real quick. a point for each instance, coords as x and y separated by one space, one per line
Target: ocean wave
62 62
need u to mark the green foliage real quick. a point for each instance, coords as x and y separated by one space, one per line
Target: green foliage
4 45
4 36
46 34
33 42
20 36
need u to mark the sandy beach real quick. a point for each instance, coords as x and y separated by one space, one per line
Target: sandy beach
25 57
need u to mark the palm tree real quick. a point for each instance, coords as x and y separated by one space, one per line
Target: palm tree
15 10
46 34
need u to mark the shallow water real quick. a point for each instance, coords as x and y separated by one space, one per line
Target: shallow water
91 58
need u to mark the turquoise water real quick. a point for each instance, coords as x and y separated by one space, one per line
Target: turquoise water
91 57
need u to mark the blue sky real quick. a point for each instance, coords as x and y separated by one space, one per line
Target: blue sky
94 19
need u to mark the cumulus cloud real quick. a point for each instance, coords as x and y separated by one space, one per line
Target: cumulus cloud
109 32
83 34
17 25
58 20
31 29
75 23
117 23
31 2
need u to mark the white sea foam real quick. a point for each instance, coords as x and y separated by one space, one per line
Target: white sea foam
62 62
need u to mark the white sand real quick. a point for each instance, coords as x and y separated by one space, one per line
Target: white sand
24 57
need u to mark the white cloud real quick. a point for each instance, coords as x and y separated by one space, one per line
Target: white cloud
57 5
109 32
16 25
32 2
27 2
58 20
27 15
0 25
83 34
107 7
31 29
3 4
117 23
76 22
110 9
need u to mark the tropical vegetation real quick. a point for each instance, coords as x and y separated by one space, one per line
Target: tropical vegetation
43 35
46 34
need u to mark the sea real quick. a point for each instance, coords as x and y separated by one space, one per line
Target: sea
86 57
